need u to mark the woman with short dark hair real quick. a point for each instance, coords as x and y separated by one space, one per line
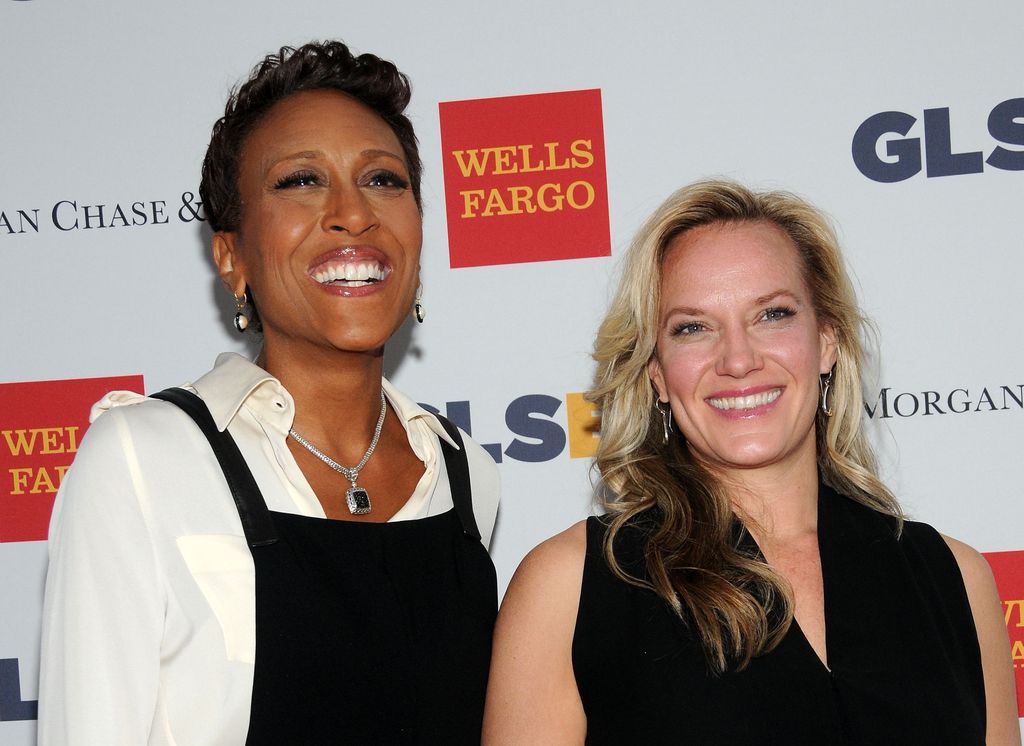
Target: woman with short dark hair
291 550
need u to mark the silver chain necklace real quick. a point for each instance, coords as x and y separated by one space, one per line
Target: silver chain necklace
357 498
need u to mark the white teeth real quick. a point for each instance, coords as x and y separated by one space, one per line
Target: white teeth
353 274
746 402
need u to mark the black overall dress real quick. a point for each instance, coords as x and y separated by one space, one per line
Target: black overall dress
366 633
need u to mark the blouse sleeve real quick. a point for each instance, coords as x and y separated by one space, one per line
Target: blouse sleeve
104 604
483 475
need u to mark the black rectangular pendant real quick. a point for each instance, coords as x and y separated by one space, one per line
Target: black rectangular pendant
358 501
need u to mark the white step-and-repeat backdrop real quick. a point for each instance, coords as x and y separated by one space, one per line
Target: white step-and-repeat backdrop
548 132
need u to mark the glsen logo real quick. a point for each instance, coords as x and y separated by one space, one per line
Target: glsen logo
12 706
957 401
525 178
536 435
1008 568
42 427
1005 125
72 215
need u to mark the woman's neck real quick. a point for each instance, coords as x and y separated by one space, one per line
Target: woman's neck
336 394
779 501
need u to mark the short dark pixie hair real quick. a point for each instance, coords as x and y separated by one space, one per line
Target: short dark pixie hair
329 65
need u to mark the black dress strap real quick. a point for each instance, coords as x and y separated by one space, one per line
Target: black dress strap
252 508
457 465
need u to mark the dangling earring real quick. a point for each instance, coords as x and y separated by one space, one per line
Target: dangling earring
242 312
418 310
666 419
825 386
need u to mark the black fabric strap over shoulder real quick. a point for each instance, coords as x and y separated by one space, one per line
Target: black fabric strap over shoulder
252 508
457 465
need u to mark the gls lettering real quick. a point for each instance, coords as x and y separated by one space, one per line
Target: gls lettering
1005 125
12 706
536 435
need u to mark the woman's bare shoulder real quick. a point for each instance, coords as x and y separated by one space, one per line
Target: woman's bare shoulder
973 566
996 662
549 577
531 695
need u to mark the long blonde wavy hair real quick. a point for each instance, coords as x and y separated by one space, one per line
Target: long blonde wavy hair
737 605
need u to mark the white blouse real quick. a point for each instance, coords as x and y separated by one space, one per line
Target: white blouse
149 630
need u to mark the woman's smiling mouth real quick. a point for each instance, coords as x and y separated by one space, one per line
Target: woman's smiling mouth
351 268
749 401
351 274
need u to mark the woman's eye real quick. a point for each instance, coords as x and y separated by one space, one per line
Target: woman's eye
687 329
297 179
777 313
386 180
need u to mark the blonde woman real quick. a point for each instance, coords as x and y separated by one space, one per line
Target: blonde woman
753 581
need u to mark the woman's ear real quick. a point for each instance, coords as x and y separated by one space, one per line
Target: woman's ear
829 350
657 378
228 261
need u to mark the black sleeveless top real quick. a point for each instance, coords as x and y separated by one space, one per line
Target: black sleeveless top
366 633
902 647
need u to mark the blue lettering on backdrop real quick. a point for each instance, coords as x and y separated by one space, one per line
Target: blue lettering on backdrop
938 148
190 208
458 413
12 707
67 215
907 152
521 420
23 217
57 208
957 401
70 215
1005 125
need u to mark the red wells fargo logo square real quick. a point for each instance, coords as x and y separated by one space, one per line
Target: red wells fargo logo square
525 178
43 423
1008 568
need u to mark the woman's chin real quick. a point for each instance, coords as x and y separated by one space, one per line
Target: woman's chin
749 455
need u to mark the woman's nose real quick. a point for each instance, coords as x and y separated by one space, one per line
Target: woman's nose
348 210
738 354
